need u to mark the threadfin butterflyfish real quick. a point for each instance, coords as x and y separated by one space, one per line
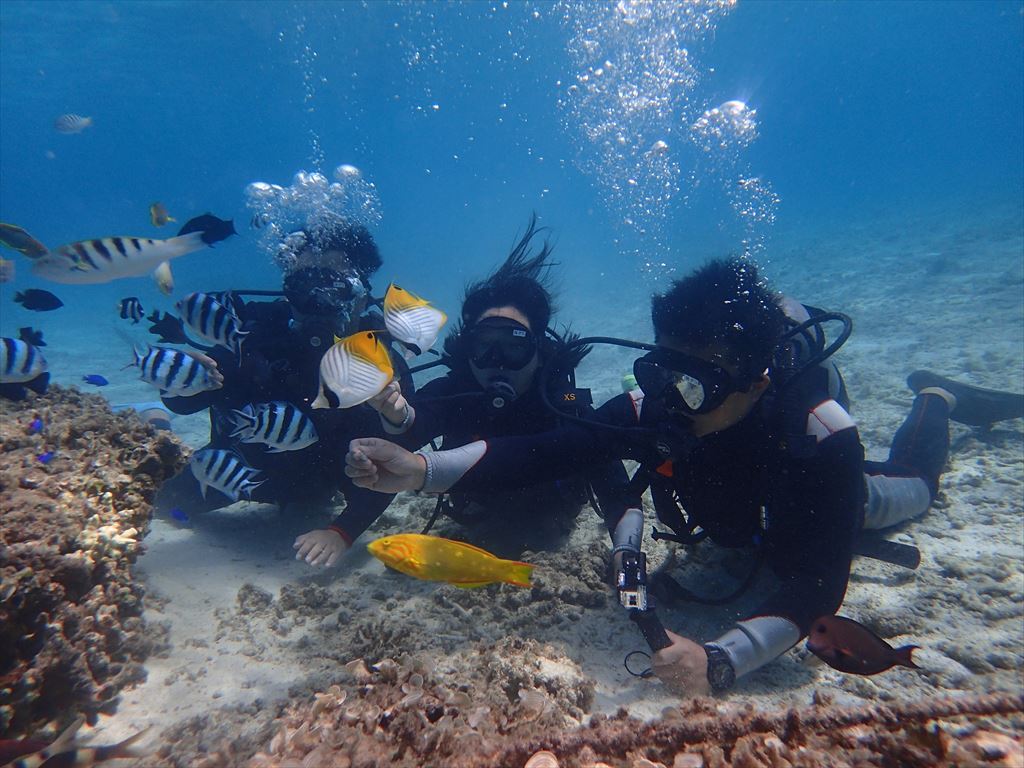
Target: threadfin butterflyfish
355 369
433 558
412 320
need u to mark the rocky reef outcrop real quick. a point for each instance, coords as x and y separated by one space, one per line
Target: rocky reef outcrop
76 486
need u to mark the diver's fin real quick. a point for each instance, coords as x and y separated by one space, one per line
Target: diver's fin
892 552
975 406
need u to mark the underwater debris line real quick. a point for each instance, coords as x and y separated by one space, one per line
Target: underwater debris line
726 729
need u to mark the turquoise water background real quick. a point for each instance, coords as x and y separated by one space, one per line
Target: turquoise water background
463 117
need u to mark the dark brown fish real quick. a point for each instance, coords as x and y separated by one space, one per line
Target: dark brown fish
21 241
845 645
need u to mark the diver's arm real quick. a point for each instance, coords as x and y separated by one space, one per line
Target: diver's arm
812 528
362 508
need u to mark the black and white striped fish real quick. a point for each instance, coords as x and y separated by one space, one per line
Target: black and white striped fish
131 309
211 321
90 262
20 362
174 372
224 471
71 123
279 426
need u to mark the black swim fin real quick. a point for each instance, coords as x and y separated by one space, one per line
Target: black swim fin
975 406
892 552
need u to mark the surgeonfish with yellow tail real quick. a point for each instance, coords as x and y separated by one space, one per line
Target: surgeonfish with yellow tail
64 752
158 215
433 558
102 260
17 239
411 320
352 371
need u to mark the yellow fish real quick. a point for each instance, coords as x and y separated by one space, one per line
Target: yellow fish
352 371
158 215
411 320
435 559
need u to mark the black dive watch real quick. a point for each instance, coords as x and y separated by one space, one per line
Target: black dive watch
721 673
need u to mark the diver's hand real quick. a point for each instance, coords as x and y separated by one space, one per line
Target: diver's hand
391 403
210 365
682 667
321 547
382 466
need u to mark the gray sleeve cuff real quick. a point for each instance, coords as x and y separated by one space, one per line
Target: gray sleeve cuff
446 468
399 429
753 643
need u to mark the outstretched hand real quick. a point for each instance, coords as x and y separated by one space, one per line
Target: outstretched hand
382 466
682 666
391 403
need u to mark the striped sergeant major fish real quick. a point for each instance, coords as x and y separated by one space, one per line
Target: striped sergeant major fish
173 372
22 363
279 426
91 262
131 309
71 123
225 471
64 752
211 321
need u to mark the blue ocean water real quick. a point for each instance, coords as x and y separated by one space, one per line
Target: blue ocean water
868 154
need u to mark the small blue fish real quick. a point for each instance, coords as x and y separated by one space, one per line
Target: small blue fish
45 458
36 426
95 378
180 517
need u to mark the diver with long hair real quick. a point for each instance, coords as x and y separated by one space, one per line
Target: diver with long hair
495 388
741 426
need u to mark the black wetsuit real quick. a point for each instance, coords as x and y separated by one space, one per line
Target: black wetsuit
800 500
523 513
278 363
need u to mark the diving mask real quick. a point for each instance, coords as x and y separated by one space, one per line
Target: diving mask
687 382
502 343
320 291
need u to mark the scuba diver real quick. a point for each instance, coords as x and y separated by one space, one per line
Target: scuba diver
493 389
273 373
741 427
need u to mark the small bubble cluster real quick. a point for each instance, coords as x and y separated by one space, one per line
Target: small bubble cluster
313 205
635 75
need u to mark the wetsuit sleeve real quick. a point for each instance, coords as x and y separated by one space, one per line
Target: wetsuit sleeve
362 508
503 462
815 514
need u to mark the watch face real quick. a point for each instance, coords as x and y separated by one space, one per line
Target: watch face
721 674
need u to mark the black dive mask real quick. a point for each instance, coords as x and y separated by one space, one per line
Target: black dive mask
500 343
685 382
323 292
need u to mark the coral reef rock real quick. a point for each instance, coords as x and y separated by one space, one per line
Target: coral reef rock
76 486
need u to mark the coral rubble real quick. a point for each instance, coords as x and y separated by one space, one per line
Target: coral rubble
76 486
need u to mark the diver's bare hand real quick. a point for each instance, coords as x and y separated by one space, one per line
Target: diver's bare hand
210 365
391 403
382 466
321 547
682 666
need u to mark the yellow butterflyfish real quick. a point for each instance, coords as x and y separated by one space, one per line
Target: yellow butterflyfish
433 558
411 320
353 370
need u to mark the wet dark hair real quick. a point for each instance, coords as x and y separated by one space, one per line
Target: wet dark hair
521 282
725 304
355 241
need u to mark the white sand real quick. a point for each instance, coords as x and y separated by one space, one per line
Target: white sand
940 293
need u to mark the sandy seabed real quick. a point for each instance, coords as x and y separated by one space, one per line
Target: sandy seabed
269 656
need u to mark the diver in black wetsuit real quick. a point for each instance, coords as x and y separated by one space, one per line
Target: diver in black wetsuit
325 294
493 389
738 443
